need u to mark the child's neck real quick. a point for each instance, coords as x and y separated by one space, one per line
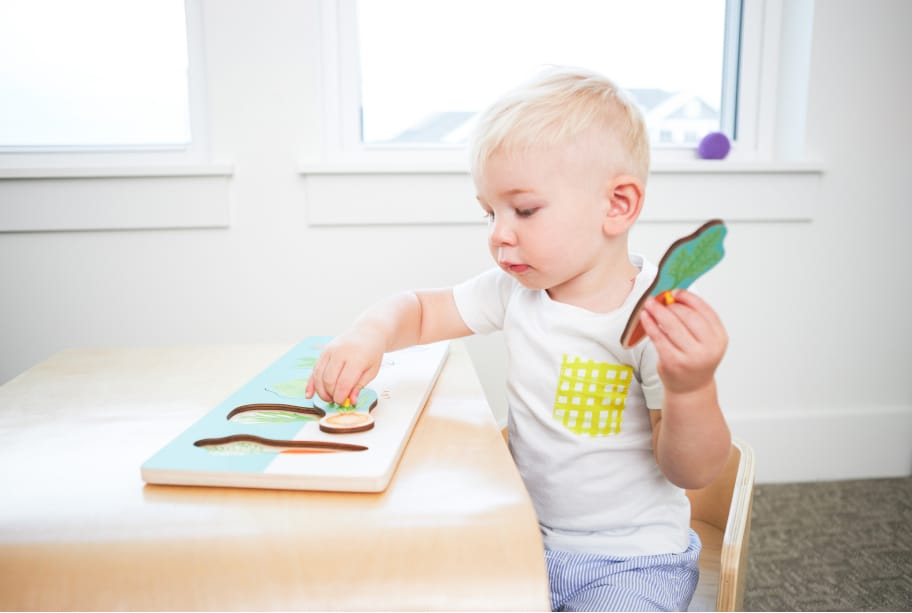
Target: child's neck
601 289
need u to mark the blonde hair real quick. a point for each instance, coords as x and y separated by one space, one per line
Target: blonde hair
558 106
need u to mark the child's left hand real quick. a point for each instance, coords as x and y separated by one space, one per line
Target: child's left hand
689 338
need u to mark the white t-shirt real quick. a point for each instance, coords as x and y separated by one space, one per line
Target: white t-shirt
578 417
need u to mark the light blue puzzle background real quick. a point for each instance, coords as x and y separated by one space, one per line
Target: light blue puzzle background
283 382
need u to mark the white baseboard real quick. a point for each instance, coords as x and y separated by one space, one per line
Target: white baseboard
828 445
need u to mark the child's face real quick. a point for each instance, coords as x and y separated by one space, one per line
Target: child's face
546 208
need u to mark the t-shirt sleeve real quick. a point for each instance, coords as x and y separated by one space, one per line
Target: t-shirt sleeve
482 300
653 388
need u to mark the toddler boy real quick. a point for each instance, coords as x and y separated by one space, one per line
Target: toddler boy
605 437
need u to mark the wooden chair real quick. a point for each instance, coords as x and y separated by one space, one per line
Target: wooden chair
721 513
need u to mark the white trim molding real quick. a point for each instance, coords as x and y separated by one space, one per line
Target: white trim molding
444 193
860 443
46 200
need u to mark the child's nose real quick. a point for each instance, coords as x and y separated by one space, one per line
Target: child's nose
502 233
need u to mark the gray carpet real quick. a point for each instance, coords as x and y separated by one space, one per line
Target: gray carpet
835 546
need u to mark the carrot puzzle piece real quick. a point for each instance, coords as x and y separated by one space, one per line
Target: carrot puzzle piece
685 261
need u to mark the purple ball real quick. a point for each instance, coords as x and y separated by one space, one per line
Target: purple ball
714 146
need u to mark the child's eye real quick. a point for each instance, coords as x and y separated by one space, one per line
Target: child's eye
489 216
526 212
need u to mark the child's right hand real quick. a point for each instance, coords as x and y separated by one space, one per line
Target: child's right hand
353 359
348 363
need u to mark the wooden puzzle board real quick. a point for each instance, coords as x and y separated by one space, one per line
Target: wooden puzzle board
401 389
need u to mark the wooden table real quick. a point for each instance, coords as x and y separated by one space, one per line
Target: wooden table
79 530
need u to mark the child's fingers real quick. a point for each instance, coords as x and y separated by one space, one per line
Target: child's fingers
346 384
670 324
695 316
664 346
311 387
324 376
311 384
707 338
343 377
694 321
315 381
366 378
699 306
331 374
341 371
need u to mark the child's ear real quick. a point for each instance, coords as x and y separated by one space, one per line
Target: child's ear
625 201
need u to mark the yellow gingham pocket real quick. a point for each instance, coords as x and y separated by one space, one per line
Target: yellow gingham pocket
591 396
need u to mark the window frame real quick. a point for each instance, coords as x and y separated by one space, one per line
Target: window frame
94 188
753 120
131 160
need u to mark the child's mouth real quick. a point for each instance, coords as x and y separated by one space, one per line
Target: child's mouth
514 268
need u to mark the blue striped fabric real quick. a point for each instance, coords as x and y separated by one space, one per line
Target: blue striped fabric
590 582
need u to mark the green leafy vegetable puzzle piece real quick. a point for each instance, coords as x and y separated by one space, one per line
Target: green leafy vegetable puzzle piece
685 261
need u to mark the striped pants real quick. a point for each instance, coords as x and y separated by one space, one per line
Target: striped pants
591 582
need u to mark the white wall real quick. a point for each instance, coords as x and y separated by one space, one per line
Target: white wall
817 377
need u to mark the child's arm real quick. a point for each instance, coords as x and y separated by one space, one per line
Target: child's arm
691 440
353 358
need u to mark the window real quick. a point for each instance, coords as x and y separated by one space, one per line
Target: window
427 68
759 67
106 98
97 76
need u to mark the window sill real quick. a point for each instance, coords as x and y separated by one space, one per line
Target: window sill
658 168
107 172
737 167
47 199
405 193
